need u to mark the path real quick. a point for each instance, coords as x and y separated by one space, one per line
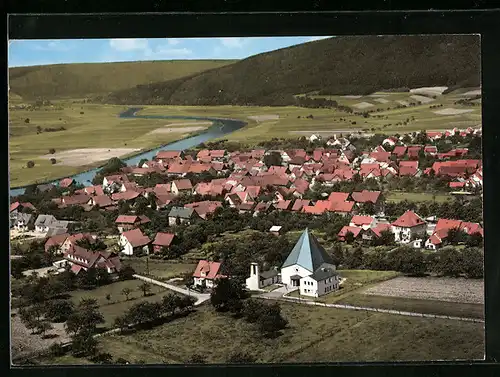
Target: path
279 294
200 297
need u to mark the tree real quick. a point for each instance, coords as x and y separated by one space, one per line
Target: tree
83 344
337 254
449 262
30 164
349 237
170 302
142 162
108 298
407 260
53 161
43 326
227 294
52 151
186 303
252 310
145 288
354 259
85 318
270 321
126 292
273 159
102 277
473 263
126 273
475 240
59 310
241 358
27 120
57 350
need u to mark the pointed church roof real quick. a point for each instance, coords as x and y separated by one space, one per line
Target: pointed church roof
308 253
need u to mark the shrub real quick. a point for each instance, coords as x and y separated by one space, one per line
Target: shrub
27 120
81 112
52 151
30 164
53 161
57 349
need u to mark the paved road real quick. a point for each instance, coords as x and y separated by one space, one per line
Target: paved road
201 297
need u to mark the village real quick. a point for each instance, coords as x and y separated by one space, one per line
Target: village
330 181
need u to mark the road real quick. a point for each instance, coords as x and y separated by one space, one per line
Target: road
200 297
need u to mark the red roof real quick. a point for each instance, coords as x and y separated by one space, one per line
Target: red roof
168 155
127 195
66 182
132 219
380 228
283 204
345 229
183 184
163 239
136 238
345 207
57 240
102 200
210 270
399 150
299 204
338 196
408 168
16 205
361 220
408 220
366 196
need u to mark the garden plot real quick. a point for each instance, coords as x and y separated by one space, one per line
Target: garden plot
422 99
439 289
404 103
381 100
429 91
450 111
363 105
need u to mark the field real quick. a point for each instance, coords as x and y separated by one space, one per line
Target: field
117 305
98 127
442 289
394 196
354 280
319 335
163 270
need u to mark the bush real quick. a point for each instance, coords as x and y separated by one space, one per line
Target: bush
27 120
81 112
52 151
53 161
30 164
57 349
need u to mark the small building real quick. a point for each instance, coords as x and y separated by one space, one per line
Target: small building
20 221
45 222
276 230
181 186
162 240
134 242
259 280
185 215
207 273
128 222
19 207
56 241
408 225
79 259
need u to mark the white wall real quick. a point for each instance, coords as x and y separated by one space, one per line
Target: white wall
293 270
310 287
403 235
126 247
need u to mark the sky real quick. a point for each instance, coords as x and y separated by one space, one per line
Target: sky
41 52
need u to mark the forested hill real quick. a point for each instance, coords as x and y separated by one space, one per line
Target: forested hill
87 79
342 65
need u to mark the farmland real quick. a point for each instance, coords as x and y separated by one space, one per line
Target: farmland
394 196
163 270
310 336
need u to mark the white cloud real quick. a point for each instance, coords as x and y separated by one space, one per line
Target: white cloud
128 44
173 41
310 39
233 42
166 52
51 46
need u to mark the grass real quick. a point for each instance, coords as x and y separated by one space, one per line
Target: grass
161 269
396 197
355 280
80 80
313 335
98 127
65 360
118 304
416 305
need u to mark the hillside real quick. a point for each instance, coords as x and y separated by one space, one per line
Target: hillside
344 65
81 80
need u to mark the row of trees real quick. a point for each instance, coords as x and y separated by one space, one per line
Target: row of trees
448 261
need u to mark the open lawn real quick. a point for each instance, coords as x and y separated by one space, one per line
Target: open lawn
314 334
354 280
161 269
117 305
394 196
98 127
456 309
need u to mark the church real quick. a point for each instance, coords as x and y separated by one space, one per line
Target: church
308 268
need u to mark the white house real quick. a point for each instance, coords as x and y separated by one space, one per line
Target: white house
309 268
407 226
133 241
207 273
44 223
259 280
20 221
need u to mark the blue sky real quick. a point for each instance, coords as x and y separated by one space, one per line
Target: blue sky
38 52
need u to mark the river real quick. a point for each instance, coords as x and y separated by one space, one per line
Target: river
219 128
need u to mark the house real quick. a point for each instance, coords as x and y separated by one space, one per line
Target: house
443 226
276 230
44 223
20 221
408 168
19 207
71 241
74 200
207 273
181 215
259 280
205 208
364 222
66 182
181 186
134 242
366 196
56 241
79 259
391 141
309 268
127 222
101 201
162 240
166 156
408 225
355 230
399 151
299 204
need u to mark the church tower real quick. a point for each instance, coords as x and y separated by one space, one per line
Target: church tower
252 282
